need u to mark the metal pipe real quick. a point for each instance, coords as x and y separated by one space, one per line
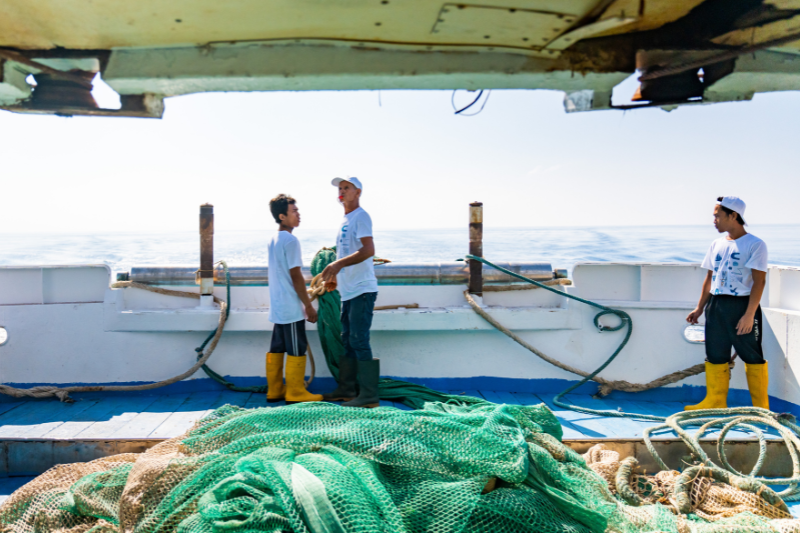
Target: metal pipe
205 274
455 273
476 247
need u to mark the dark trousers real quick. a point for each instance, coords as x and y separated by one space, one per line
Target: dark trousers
356 321
722 315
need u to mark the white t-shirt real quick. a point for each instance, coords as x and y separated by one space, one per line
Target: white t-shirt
733 262
355 280
285 306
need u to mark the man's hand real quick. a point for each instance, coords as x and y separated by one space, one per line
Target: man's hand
331 271
311 313
331 285
694 316
745 324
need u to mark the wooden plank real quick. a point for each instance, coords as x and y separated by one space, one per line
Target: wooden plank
500 397
59 419
101 410
9 484
590 425
229 397
613 426
670 408
17 422
8 406
196 406
257 400
143 424
794 507
570 431
125 409
468 392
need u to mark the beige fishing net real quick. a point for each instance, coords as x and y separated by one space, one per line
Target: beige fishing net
710 500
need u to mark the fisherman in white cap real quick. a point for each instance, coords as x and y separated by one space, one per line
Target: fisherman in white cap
737 274
353 273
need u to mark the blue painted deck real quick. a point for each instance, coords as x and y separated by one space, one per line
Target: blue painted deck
166 416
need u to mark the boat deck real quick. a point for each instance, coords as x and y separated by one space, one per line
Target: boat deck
147 418
164 416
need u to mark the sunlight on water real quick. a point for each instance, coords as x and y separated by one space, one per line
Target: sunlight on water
563 247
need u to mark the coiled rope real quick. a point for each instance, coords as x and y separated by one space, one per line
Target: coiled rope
737 418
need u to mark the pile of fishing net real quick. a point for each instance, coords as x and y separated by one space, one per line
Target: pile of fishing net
320 467
694 494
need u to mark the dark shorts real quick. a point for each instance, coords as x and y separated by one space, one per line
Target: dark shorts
289 338
722 315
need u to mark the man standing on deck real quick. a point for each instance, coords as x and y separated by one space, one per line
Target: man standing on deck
353 274
737 274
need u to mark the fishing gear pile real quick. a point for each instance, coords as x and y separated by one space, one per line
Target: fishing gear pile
320 467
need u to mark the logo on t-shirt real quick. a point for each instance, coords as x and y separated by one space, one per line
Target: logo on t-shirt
344 245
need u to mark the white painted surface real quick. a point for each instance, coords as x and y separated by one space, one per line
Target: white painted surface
60 332
53 284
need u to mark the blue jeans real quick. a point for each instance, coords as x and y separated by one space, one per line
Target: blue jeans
356 321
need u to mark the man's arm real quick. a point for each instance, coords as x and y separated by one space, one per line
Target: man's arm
367 251
300 288
701 305
745 324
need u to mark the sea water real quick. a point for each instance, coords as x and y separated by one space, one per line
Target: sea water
562 247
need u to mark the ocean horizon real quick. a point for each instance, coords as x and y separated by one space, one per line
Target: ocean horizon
562 247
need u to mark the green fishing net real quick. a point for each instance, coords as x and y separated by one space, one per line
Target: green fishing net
320 467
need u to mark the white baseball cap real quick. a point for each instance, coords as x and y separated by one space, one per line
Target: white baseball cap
355 181
734 203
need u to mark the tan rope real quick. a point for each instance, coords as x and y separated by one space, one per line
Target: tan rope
62 393
606 386
526 286
315 290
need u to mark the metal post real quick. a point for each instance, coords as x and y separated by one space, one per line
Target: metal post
206 272
476 247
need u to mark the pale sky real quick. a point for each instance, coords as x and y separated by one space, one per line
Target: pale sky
529 162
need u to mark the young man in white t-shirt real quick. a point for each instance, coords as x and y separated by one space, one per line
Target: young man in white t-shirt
737 274
353 273
289 308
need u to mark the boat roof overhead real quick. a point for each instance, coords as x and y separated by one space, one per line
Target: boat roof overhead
688 52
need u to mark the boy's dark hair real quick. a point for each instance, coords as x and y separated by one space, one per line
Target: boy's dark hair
280 206
739 218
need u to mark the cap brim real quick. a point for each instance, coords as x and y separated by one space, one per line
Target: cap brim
336 181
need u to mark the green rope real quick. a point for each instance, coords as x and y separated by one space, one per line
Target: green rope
741 418
329 323
329 327
262 389
625 321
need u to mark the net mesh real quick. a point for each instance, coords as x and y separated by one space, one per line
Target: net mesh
319 467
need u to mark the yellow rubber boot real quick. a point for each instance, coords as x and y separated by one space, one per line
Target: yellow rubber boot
295 387
718 379
276 390
757 382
